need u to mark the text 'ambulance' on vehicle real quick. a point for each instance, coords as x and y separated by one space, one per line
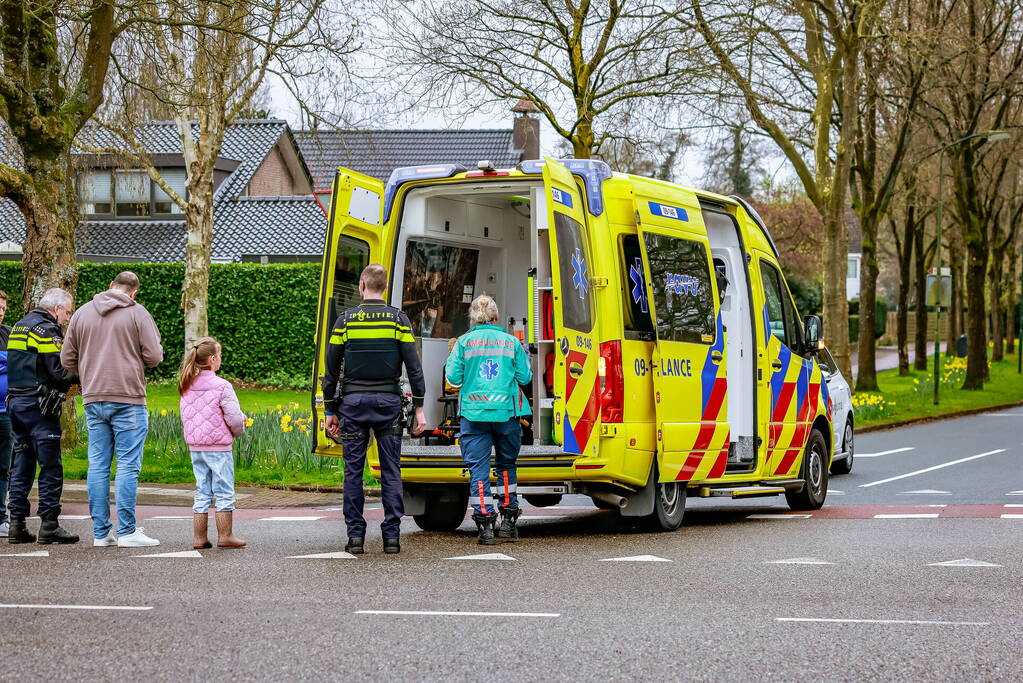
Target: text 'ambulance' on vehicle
668 357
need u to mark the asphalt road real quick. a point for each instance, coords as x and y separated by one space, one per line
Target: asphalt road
742 591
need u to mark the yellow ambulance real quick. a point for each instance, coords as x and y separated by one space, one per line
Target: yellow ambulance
668 357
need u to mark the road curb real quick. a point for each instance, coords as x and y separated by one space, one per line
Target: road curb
966 412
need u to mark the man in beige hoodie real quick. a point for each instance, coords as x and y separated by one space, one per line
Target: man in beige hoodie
109 343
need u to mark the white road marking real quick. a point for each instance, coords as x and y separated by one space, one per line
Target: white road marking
935 467
915 515
1014 493
926 492
34 553
965 562
171 517
799 560
1013 505
290 519
887 621
636 558
1012 516
833 492
127 608
76 516
779 516
341 555
183 553
936 505
483 556
891 452
549 615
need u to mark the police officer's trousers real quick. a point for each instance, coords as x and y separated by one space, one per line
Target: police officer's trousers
477 439
36 441
380 413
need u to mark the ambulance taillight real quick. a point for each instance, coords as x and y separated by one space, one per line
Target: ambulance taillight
612 382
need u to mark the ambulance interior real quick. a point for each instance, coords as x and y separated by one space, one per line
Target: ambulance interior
453 247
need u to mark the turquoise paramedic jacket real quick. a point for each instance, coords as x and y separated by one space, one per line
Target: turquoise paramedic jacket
488 365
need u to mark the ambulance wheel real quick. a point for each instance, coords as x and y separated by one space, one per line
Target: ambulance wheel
445 510
845 466
669 507
814 475
543 500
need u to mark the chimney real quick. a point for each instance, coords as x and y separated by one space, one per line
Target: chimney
526 129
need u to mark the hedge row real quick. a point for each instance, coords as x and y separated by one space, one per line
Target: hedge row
263 315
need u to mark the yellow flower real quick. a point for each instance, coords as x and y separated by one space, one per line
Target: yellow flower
248 422
304 428
287 429
285 419
293 405
163 412
278 406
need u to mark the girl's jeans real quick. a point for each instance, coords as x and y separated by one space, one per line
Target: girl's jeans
214 477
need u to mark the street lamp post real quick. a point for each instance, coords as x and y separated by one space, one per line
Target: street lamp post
985 136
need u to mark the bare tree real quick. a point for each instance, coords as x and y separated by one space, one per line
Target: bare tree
56 54
587 66
215 58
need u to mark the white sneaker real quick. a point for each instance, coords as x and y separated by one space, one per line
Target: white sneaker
5 529
136 540
108 541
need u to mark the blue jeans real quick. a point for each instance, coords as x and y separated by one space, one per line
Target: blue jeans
214 478
6 443
359 414
477 439
120 427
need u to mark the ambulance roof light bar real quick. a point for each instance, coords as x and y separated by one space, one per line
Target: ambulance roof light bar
592 171
486 169
409 173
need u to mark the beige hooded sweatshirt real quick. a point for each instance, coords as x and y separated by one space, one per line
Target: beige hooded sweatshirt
109 343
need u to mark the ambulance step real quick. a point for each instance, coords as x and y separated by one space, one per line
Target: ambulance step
741 491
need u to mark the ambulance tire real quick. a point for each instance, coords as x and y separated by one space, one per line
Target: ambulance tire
845 466
814 474
669 507
444 512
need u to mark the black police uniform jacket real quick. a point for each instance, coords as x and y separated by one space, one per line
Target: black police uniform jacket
33 356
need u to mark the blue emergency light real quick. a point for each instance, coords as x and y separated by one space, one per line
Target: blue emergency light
409 173
592 171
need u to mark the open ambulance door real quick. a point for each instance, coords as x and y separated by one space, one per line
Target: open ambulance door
576 380
354 240
689 358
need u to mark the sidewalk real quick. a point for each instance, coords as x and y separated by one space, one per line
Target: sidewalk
887 358
247 497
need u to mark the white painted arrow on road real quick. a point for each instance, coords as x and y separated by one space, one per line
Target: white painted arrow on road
484 556
341 555
636 558
965 562
183 553
800 560
34 553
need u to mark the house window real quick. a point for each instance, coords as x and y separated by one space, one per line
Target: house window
132 193
129 193
162 203
95 192
853 270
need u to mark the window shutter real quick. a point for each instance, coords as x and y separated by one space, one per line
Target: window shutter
132 187
94 187
175 177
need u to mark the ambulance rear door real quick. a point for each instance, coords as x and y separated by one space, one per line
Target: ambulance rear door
688 363
576 379
355 239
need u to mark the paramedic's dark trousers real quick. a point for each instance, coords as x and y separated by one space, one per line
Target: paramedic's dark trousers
36 441
477 439
359 414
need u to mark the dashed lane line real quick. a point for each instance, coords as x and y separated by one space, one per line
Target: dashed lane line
1012 516
914 622
426 613
931 469
799 560
121 608
965 562
780 516
289 519
34 553
636 558
891 452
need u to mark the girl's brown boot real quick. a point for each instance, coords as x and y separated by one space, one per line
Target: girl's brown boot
200 530
225 537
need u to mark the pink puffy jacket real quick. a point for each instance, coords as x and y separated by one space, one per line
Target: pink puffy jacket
210 413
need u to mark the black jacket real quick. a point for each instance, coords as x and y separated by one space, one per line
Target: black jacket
373 340
33 356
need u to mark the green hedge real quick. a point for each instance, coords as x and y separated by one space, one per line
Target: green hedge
263 315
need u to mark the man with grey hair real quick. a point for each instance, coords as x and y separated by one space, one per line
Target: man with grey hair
110 342
37 385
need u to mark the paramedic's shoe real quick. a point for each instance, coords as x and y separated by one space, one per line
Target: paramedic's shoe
18 532
50 531
356 545
108 541
136 539
485 525
392 546
508 529
5 527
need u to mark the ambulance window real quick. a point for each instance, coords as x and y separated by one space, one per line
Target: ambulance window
576 274
793 324
352 258
683 296
778 322
440 283
638 323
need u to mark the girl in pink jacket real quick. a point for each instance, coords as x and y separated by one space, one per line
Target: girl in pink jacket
211 418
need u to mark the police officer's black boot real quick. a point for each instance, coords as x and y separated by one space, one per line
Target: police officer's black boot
51 532
356 545
18 532
508 529
485 525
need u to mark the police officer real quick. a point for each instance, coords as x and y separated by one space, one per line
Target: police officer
372 340
37 384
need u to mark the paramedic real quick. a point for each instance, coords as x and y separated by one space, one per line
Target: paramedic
489 365
373 341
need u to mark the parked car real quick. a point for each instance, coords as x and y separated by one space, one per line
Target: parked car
841 413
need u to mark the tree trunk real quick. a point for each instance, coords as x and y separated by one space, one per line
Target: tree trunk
902 313
920 268
976 316
836 307
51 217
195 287
997 310
866 377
